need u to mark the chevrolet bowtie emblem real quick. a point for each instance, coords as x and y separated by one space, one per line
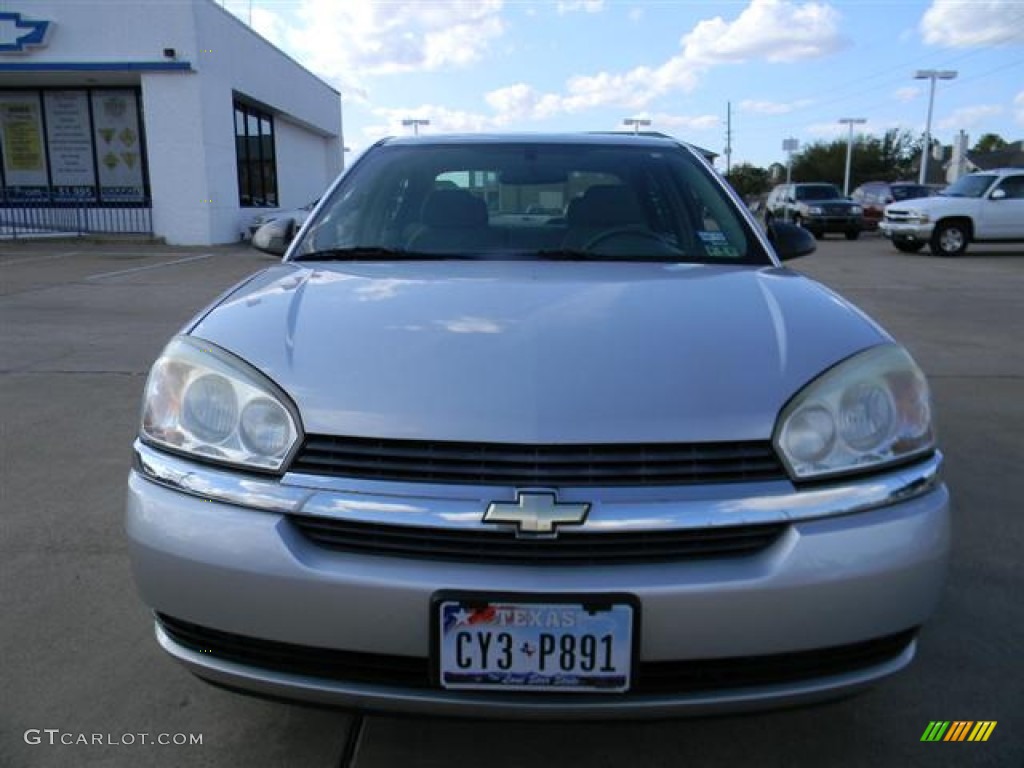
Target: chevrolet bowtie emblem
536 513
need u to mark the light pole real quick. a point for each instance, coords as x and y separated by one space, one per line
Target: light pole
636 122
415 123
851 121
933 75
789 146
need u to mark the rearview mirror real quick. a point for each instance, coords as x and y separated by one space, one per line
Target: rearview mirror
274 236
998 194
790 241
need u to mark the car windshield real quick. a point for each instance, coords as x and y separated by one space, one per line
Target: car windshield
530 200
818 192
910 192
969 186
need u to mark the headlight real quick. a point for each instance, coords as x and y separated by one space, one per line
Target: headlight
204 401
856 210
919 216
814 210
871 410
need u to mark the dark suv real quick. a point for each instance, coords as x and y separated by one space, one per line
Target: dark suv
873 196
818 207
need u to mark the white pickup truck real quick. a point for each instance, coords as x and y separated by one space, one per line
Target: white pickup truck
983 207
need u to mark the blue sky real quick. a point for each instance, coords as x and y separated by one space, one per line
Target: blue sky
789 68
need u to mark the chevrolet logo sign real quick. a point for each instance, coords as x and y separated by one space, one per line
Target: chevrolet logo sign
536 513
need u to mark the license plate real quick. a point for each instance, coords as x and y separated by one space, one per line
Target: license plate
514 645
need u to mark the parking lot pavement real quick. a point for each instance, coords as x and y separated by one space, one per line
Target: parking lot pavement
79 326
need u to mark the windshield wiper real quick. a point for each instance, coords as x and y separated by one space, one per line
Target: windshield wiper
374 253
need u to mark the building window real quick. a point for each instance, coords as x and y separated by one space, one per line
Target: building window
257 162
72 147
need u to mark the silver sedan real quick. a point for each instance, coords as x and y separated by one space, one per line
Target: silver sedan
457 458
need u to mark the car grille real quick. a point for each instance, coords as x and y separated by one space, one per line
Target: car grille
568 548
662 677
425 461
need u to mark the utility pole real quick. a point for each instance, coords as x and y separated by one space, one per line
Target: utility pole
850 121
933 75
789 146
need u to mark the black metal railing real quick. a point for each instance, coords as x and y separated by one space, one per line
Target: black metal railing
21 220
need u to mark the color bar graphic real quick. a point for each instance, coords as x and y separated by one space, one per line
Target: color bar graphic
958 730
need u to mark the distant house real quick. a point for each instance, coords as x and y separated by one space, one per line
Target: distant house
1011 156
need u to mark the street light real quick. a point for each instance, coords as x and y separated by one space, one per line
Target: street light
933 75
636 122
851 121
415 123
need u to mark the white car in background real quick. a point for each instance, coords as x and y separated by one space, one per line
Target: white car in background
297 217
983 207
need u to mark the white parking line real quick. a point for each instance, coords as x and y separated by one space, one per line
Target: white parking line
161 265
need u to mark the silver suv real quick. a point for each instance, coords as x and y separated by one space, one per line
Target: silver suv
984 207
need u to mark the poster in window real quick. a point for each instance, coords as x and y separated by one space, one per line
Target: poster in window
70 142
118 142
21 142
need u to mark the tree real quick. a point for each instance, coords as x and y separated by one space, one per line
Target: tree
890 157
990 142
749 180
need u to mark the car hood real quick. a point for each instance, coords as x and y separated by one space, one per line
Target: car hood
538 352
934 204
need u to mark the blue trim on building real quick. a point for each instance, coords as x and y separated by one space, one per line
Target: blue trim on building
96 66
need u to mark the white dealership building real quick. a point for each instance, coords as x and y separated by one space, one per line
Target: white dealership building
169 118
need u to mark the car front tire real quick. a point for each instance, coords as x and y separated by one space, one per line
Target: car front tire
950 239
852 234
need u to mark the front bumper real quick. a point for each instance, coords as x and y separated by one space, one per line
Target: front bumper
906 232
859 561
825 223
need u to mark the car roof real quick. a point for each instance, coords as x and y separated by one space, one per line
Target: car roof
595 138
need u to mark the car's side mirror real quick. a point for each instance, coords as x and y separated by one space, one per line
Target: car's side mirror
274 236
999 194
790 241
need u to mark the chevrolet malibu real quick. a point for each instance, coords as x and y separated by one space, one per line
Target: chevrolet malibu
454 457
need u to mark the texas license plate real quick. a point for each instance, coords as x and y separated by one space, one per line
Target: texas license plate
522 645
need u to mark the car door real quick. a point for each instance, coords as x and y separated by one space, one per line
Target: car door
1003 210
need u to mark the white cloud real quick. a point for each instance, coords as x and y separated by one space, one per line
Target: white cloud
661 121
636 14
826 130
909 93
772 107
969 117
774 30
521 102
958 24
442 120
837 130
1018 104
383 38
572 6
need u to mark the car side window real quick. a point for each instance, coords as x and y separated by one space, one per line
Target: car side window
1013 186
